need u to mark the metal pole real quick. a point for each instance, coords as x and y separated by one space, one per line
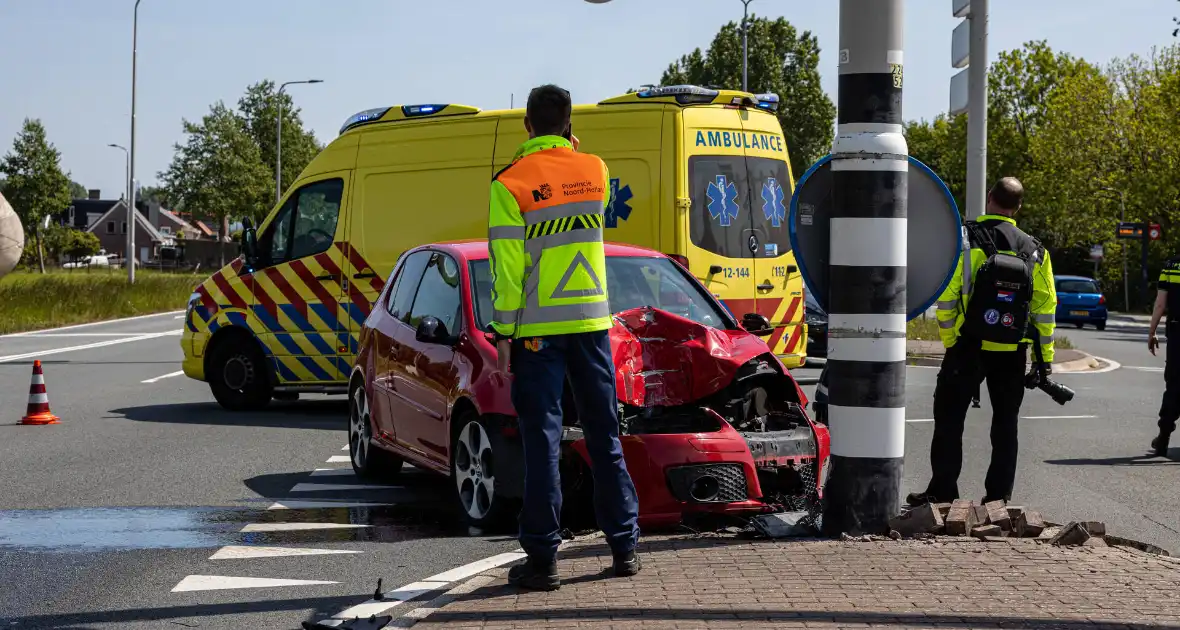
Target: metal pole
977 111
279 148
1126 278
279 136
867 271
130 257
1123 219
745 48
126 166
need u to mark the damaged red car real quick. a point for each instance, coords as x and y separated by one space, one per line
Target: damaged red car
711 422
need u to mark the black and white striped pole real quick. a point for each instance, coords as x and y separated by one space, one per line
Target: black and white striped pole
867 273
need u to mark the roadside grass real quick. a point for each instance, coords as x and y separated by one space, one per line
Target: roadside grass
926 329
33 301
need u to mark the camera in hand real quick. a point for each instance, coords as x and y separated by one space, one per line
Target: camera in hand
1037 378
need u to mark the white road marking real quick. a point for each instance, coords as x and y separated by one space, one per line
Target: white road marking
431 584
331 472
39 335
1111 365
223 582
76 326
1144 368
239 552
339 487
294 527
308 505
919 419
345 448
478 566
404 593
338 459
1055 417
163 376
99 344
179 317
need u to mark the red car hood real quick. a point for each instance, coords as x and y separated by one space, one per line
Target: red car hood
663 359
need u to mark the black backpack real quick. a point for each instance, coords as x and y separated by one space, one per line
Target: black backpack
1001 296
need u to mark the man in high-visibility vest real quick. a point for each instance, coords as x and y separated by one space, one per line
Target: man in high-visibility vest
1002 293
551 319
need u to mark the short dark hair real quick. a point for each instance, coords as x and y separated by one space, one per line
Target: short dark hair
548 110
1008 193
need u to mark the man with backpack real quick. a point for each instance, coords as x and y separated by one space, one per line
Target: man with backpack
1001 300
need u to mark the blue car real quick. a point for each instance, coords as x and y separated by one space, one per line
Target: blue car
1080 302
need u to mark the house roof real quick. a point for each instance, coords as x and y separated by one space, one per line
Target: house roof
205 229
176 220
92 209
139 219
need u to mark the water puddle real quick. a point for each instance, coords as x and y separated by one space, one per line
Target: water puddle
123 528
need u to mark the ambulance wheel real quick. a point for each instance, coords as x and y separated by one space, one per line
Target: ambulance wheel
1100 325
369 461
239 376
473 473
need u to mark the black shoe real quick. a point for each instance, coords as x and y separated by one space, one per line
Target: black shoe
915 499
627 564
535 575
1159 445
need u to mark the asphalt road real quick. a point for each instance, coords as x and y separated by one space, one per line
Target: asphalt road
127 512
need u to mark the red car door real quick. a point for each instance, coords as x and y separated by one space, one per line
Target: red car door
431 378
395 345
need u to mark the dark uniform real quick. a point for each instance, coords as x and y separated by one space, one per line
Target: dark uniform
1170 407
970 360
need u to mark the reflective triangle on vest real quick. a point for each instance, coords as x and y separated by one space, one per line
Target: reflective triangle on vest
586 284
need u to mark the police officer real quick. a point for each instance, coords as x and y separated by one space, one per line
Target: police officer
1167 299
551 320
1004 290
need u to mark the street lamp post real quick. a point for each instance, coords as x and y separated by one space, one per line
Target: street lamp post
279 137
130 257
127 171
1122 219
745 47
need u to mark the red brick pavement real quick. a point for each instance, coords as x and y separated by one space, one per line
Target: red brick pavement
693 582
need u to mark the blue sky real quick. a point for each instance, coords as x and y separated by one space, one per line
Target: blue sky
68 62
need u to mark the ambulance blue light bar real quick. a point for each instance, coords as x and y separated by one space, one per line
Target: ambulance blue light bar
768 101
360 118
410 111
684 93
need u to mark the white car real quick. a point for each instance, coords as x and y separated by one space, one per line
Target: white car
89 261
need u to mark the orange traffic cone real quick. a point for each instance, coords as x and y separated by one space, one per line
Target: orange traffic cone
38 411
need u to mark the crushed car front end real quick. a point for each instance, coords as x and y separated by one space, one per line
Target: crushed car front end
711 422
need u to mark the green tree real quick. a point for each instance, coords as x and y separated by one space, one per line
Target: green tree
77 191
258 107
36 185
157 194
781 60
81 244
218 171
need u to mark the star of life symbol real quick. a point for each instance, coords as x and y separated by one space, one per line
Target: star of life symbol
722 196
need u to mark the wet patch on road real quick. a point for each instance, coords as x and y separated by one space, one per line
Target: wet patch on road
126 528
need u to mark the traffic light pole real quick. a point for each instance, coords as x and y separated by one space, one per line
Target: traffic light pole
867 267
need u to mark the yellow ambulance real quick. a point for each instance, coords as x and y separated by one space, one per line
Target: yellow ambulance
699 174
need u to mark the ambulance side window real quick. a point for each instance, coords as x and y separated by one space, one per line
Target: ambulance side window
306 224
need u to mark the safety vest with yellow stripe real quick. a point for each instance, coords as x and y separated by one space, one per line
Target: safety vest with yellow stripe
952 304
545 242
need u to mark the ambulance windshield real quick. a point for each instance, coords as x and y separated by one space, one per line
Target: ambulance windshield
739 205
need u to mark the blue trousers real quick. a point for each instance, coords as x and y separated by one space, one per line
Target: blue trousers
539 367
